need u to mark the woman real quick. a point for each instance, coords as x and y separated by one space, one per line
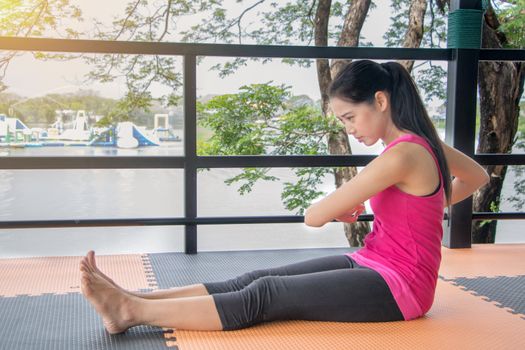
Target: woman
392 278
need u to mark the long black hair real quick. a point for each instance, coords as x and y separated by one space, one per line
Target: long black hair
358 82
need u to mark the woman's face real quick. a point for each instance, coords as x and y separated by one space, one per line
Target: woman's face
366 122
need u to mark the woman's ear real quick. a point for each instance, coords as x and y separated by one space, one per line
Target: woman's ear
381 100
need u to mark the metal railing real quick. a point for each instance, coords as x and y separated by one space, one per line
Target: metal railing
460 129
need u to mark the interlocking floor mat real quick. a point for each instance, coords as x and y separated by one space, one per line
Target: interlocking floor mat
67 322
478 304
458 320
487 260
178 269
505 292
59 275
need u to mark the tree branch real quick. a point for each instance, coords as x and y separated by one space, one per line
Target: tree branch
431 23
126 20
167 12
237 21
312 21
43 8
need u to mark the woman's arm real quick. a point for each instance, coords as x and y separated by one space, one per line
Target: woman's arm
384 171
468 175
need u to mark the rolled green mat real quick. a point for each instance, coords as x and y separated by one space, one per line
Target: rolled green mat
464 29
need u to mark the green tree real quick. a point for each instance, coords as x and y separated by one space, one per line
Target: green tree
7 100
42 110
511 15
320 23
261 119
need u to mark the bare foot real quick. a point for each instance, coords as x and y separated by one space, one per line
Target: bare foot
91 264
115 307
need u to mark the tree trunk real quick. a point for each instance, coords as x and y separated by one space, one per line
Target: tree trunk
500 90
414 33
354 20
321 39
338 143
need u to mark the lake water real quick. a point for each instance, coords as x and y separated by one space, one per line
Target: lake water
145 193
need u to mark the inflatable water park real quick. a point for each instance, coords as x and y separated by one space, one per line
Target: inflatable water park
78 131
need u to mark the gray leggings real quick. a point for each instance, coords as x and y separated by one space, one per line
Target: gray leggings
332 288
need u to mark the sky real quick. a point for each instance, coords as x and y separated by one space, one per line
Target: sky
29 77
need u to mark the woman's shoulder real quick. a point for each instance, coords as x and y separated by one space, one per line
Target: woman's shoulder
409 156
397 162
402 151
408 147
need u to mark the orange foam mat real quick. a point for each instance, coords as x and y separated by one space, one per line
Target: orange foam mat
487 260
457 320
59 275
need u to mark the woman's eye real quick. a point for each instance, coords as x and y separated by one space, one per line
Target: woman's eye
343 119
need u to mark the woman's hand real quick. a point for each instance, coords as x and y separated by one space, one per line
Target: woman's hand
352 215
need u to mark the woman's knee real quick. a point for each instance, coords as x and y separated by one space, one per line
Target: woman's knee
249 277
248 306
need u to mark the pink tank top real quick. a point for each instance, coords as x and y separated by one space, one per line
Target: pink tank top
404 246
